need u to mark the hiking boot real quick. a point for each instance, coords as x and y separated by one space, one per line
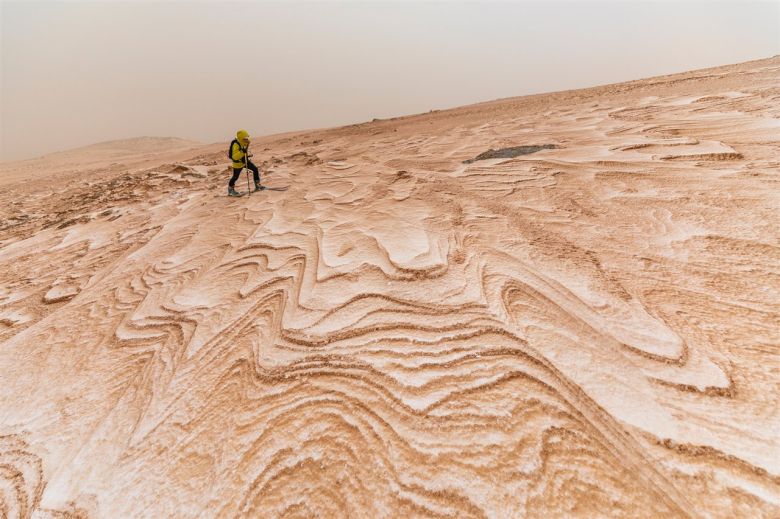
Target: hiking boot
233 192
258 187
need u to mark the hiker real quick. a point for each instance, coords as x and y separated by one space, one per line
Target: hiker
239 154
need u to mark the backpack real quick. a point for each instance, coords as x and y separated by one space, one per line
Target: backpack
230 149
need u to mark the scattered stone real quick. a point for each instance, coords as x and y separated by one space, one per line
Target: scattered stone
60 293
508 153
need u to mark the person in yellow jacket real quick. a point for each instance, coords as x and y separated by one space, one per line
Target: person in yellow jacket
239 155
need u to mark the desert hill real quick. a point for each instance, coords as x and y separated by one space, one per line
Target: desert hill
560 305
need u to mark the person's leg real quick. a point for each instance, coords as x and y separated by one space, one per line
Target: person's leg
236 173
255 172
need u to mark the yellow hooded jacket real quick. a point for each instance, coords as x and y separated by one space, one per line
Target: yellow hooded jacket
237 152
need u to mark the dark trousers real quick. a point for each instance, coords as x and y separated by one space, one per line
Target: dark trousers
237 173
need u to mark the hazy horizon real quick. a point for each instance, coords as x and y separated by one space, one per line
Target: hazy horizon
77 73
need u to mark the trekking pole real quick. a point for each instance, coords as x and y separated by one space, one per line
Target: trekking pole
246 168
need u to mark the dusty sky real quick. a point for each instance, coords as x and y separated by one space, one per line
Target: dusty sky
76 73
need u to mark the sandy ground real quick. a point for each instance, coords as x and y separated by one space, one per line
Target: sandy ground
590 330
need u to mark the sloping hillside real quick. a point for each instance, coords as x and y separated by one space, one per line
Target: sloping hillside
587 328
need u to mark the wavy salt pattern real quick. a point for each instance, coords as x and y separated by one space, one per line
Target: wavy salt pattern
588 330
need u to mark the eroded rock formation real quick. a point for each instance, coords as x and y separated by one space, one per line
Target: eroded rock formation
588 330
